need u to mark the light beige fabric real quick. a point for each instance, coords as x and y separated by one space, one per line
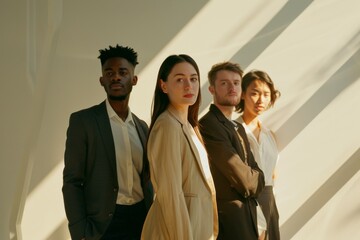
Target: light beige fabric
184 206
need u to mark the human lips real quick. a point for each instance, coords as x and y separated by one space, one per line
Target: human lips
188 95
233 94
259 107
116 86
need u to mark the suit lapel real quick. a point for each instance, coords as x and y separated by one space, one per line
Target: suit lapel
105 131
194 150
141 132
231 128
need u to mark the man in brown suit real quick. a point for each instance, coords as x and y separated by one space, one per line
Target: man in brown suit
238 179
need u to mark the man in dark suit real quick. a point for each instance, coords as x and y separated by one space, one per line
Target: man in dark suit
106 182
237 177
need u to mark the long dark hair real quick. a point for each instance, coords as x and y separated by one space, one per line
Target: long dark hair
161 100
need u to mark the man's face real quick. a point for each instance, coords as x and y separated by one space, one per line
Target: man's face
118 78
226 89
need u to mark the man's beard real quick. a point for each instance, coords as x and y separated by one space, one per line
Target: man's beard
228 103
118 98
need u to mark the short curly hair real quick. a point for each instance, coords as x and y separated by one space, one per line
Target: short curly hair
118 51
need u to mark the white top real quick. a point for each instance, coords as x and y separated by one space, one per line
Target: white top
129 157
265 150
203 156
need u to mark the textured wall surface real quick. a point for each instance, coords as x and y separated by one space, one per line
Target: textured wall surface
311 49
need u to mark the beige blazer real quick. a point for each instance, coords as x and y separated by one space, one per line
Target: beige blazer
184 205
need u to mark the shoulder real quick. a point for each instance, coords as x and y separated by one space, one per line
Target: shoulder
139 121
208 119
166 130
166 122
273 135
269 134
89 115
91 110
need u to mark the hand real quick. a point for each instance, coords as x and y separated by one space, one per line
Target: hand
262 236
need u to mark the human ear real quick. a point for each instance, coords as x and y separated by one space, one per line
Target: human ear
134 80
211 89
163 86
101 81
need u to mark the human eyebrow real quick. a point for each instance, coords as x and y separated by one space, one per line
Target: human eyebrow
179 74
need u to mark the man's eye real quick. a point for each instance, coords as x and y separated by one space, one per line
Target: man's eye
109 74
122 73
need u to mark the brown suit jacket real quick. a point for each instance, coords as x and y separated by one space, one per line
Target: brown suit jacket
238 181
90 184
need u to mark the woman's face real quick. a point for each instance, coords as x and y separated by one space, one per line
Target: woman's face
256 98
182 85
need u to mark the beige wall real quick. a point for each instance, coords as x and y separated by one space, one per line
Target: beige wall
311 49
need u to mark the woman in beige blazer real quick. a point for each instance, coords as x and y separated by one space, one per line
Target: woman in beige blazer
184 205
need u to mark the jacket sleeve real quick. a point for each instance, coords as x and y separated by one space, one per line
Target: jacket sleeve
220 143
73 177
165 157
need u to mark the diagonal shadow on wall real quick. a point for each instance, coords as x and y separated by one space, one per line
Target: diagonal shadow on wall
347 74
317 200
251 50
140 32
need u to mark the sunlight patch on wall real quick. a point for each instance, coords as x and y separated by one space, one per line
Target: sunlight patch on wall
211 36
42 214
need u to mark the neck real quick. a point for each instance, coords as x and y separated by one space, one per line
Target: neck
226 110
120 107
253 124
249 119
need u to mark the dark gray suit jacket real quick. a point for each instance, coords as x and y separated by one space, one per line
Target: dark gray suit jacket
237 181
90 184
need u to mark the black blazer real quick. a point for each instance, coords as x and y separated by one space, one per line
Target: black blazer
90 185
237 181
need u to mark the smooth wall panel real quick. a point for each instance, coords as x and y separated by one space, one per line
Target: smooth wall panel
49 68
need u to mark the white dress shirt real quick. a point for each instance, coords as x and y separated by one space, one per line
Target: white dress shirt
129 157
265 150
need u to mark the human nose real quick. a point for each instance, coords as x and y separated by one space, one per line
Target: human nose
115 76
187 84
231 86
261 99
